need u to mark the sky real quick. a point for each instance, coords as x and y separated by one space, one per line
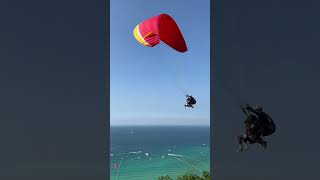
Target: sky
148 84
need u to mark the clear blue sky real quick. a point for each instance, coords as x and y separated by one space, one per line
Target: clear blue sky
148 84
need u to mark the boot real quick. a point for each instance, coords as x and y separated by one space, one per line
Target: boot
264 145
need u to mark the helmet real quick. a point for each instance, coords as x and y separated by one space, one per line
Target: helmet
258 108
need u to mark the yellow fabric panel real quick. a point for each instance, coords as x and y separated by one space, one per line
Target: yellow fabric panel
138 36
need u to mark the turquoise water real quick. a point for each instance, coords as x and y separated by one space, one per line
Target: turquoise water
145 153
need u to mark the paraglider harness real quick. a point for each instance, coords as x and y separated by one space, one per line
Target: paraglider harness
263 126
254 130
190 101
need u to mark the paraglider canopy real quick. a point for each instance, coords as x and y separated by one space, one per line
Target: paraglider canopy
160 28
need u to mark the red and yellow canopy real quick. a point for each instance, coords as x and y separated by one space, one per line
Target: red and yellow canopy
160 28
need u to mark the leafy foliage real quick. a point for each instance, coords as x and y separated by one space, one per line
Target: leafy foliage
165 178
205 176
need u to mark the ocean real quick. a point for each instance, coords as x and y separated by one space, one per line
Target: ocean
146 153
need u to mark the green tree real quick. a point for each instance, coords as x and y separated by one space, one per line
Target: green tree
165 178
205 176
189 177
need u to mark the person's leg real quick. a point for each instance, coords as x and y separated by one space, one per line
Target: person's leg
264 144
240 139
259 140
249 140
240 142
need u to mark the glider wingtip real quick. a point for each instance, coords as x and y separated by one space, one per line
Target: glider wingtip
183 50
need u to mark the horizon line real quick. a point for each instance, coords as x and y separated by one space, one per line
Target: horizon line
202 125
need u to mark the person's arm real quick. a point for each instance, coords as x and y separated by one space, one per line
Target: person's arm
269 118
252 110
249 108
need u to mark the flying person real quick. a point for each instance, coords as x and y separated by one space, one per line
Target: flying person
190 101
267 126
258 124
251 134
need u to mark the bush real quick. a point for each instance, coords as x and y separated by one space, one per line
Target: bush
165 178
205 176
